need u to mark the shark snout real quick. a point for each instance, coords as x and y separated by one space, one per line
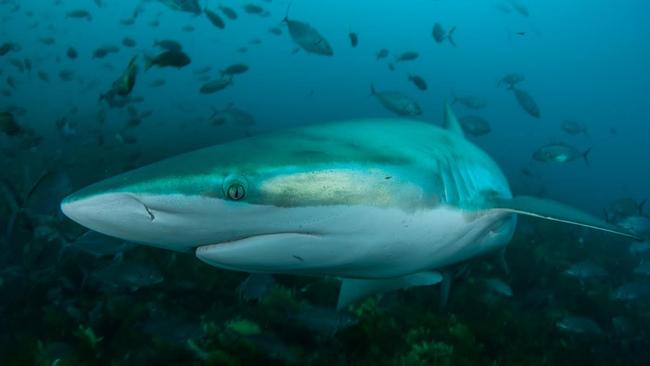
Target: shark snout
121 215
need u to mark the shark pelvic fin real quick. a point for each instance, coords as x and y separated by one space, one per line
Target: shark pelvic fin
353 290
555 211
450 122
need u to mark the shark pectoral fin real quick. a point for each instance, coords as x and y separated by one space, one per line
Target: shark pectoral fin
555 211
268 253
356 289
450 122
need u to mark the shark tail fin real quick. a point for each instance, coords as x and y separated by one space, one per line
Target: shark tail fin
372 90
555 211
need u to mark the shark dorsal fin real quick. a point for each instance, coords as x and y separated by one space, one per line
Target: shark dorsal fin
556 211
450 122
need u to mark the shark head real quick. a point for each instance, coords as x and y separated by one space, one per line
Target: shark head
363 198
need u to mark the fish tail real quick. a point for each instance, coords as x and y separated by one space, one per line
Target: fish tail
372 90
148 62
585 157
450 35
606 214
640 206
454 98
286 14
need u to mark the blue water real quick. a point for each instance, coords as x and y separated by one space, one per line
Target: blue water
582 60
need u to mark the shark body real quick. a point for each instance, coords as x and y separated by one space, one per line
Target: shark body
382 204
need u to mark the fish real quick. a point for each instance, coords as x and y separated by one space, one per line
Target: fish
440 35
253 9
475 125
407 56
296 201
511 80
128 42
639 248
526 102
631 292
169 45
48 41
574 128
216 85
324 320
127 275
418 81
231 115
586 271
126 82
519 7
72 53
256 286
396 102
214 18
43 76
177 59
624 207
308 38
8 124
79 14
234 69
228 12
354 39
643 269
498 287
188 6
98 245
579 325
640 225
469 101
382 54
560 153
7 47
66 74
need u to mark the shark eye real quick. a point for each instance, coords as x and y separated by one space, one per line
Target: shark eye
236 191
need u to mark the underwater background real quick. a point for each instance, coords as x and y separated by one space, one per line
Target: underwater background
557 92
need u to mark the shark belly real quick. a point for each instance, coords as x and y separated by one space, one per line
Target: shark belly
360 242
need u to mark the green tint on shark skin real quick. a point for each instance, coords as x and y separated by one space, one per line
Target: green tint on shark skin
382 204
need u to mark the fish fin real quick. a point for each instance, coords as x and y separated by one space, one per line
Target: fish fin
372 90
286 14
450 35
37 183
148 62
353 290
503 262
640 206
450 122
445 288
556 211
585 157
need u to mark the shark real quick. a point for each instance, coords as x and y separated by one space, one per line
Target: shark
381 204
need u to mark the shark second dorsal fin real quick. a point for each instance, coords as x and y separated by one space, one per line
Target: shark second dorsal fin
450 122
556 211
353 290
